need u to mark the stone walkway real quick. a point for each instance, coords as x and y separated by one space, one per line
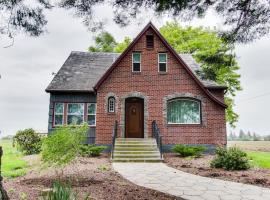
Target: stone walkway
159 176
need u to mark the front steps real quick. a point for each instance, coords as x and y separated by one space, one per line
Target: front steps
136 150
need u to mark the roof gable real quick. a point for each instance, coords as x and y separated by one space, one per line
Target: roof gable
171 50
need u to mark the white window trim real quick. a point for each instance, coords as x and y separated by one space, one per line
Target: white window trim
136 62
200 113
74 114
93 125
111 98
163 62
54 113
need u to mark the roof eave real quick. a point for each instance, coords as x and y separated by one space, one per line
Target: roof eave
66 91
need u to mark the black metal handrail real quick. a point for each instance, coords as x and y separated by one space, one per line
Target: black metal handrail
114 136
157 135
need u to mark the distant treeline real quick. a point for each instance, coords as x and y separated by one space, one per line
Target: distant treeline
242 136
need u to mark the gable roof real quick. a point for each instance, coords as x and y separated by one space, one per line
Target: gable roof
88 67
172 51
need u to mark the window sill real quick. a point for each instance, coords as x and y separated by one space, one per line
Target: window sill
177 125
111 113
162 73
135 72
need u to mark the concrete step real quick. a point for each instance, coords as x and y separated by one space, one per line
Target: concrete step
152 160
131 145
136 149
127 156
136 152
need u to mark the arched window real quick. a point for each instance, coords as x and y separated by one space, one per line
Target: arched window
184 111
111 104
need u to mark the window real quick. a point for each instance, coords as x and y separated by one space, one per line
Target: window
75 113
91 114
149 41
162 62
58 114
111 104
183 111
136 62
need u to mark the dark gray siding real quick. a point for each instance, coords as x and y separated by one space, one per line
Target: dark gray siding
72 98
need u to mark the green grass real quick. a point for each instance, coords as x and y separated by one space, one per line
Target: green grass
12 163
260 159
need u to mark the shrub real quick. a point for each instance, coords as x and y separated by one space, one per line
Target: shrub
28 141
231 159
185 151
63 145
91 150
61 191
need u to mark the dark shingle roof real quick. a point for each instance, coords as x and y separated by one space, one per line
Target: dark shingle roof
82 70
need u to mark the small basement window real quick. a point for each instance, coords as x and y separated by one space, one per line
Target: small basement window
162 62
136 62
111 104
149 41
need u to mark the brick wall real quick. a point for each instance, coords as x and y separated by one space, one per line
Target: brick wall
154 87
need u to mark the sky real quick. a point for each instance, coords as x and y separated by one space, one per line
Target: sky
26 69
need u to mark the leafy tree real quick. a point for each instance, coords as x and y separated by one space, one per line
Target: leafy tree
104 42
63 145
244 20
256 137
120 47
242 135
28 141
216 56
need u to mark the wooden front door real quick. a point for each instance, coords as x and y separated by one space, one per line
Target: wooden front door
134 118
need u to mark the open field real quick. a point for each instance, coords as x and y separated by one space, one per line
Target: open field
258 152
251 145
13 164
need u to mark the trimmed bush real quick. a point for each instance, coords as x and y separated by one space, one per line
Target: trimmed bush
63 145
184 150
230 159
91 150
28 141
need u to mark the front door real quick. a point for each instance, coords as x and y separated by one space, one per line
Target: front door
134 118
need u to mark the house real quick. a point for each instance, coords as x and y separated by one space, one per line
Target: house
148 82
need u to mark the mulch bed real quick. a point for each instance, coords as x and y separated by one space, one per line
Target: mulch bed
92 176
201 166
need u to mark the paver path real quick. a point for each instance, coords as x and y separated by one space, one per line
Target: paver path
159 176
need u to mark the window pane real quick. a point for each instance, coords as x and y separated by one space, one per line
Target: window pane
59 108
111 104
75 108
162 67
58 120
92 108
184 112
136 57
136 67
162 57
75 119
91 119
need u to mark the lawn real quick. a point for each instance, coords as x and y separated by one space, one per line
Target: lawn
260 159
13 164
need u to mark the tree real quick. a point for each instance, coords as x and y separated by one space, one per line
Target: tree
243 20
242 135
104 42
216 56
120 47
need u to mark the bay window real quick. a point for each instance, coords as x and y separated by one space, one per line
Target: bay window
183 111
58 114
75 113
91 114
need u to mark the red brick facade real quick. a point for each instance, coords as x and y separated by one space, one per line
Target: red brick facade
156 88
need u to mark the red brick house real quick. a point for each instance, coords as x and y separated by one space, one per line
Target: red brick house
148 81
